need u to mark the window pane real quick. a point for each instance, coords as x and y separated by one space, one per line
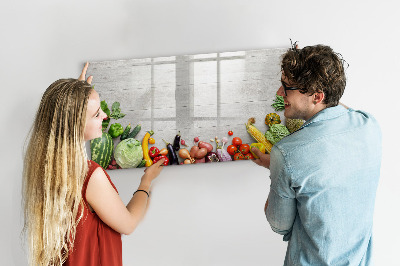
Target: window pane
164 91
205 89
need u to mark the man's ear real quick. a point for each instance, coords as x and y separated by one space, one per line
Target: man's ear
318 97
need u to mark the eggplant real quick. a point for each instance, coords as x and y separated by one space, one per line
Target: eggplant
177 141
173 158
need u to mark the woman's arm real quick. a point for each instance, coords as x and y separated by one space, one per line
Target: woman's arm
108 205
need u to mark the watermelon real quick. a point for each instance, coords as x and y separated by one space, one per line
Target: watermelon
102 149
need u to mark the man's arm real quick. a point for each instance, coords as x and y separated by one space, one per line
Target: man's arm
280 208
280 213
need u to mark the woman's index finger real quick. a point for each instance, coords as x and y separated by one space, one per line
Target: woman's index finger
83 74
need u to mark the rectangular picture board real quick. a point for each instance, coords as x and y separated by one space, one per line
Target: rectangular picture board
204 96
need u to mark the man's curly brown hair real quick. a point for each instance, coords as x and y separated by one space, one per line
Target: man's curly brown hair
316 69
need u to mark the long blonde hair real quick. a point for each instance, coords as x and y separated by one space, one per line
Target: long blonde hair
55 167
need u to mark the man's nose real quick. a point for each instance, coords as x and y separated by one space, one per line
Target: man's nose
280 91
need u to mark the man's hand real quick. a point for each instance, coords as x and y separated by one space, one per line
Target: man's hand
83 74
266 206
264 159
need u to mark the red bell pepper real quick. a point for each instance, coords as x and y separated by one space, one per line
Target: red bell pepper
154 152
166 162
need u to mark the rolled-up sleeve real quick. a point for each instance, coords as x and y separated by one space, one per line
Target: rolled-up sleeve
281 210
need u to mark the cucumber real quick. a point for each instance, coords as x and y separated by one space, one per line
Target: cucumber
134 132
125 134
142 164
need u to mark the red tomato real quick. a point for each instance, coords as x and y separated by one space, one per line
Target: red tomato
244 149
230 133
238 156
249 156
231 149
237 141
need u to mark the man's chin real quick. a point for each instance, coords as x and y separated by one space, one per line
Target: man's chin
289 115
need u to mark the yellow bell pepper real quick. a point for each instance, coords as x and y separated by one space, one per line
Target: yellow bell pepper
259 146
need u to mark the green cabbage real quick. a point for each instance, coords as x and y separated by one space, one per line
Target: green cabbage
128 153
276 132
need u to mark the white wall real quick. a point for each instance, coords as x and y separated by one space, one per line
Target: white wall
42 41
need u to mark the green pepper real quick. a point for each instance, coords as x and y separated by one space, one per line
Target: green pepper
116 130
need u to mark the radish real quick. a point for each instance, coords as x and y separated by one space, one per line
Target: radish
183 143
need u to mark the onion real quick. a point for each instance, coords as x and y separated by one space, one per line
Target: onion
184 154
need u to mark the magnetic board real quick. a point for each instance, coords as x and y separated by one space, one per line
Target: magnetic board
203 95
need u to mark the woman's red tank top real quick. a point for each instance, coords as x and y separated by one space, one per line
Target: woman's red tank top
95 242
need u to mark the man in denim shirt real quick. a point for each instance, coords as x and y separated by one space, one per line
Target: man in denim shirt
324 176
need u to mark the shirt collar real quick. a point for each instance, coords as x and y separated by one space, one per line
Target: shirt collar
326 114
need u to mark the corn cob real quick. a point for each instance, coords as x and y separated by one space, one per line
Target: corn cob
257 135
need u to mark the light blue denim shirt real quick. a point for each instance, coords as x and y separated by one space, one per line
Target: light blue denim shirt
323 183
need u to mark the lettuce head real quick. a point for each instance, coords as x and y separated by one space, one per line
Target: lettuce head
128 153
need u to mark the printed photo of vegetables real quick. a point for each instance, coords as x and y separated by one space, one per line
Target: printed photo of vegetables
192 109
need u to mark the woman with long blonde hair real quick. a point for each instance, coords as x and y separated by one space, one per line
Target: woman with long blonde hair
73 213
